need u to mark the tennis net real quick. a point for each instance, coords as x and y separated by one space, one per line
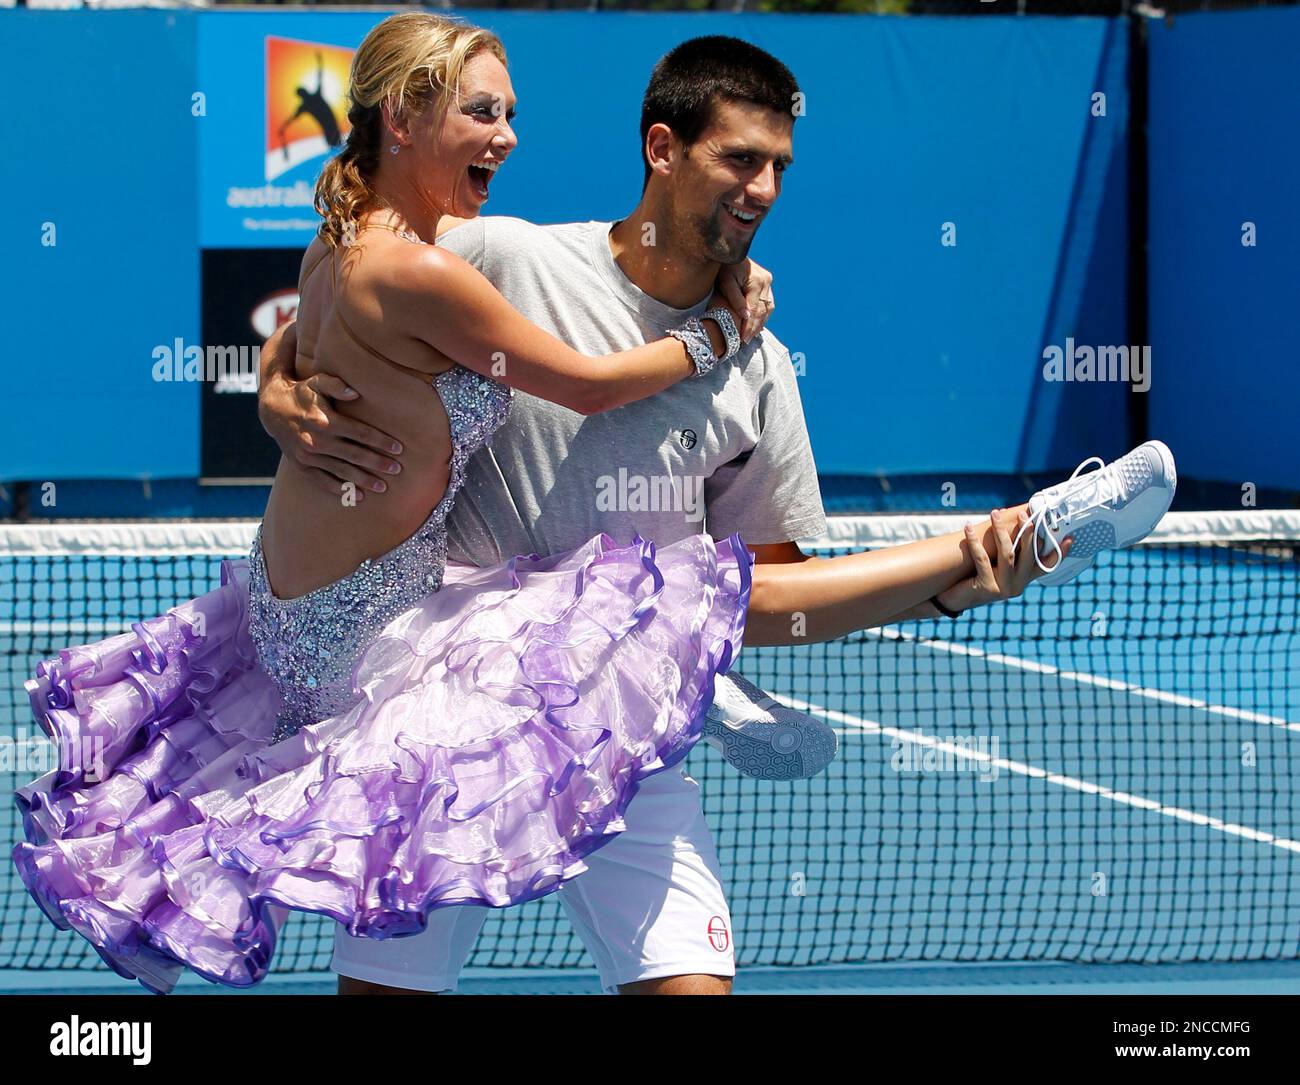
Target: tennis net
1099 772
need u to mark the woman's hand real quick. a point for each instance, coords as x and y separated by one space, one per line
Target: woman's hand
1011 574
720 301
747 288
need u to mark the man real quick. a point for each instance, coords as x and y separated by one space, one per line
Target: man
716 127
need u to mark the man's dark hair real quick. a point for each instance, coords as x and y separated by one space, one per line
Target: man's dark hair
689 80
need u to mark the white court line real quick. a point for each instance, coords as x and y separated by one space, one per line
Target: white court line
1089 679
1032 771
34 629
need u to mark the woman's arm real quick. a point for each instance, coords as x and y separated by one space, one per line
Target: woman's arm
439 299
747 286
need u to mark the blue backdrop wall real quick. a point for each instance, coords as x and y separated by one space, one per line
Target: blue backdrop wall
102 162
1223 155
919 356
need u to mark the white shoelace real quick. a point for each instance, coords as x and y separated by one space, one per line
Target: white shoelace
1097 489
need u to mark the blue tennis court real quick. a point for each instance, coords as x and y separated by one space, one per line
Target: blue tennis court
1055 790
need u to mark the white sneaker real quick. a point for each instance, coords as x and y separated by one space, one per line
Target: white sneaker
762 737
1114 507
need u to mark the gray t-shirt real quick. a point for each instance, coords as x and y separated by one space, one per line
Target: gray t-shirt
724 453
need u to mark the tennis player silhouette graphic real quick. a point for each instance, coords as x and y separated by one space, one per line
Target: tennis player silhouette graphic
313 103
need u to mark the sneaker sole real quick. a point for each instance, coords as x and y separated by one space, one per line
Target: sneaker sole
771 751
771 758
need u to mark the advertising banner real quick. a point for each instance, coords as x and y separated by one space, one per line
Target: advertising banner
247 294
275 109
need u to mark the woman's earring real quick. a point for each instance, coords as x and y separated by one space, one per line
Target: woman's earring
394 149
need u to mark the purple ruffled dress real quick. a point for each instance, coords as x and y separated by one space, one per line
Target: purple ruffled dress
414 736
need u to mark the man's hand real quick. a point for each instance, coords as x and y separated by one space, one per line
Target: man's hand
301 417
1007 578
747 286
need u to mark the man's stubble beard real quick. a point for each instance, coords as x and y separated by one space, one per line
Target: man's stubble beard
717 247
699 237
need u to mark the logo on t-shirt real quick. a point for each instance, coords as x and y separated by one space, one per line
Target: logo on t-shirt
719 936
687 438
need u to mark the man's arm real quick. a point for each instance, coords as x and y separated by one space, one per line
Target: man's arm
770 493
300 416
787 553
796 599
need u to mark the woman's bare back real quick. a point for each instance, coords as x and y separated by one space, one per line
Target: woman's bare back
309 538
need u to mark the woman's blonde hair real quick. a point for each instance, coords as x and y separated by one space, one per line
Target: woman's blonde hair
413 62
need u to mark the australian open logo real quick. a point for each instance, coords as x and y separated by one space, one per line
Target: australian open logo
306 118
306 102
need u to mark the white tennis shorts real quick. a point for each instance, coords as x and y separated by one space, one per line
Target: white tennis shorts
649 905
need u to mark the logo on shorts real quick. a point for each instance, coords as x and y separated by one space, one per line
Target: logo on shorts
719 936
687 437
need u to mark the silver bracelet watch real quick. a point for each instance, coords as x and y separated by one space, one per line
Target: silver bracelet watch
697 342
722 316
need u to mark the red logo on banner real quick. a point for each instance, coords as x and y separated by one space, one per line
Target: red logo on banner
719 936
274 311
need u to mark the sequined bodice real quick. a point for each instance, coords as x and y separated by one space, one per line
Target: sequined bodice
310 644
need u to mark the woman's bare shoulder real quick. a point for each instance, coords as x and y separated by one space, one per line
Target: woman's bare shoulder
419 276
317 251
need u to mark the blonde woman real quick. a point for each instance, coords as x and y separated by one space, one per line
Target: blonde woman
334 729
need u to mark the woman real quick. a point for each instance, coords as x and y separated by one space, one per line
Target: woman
265 747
